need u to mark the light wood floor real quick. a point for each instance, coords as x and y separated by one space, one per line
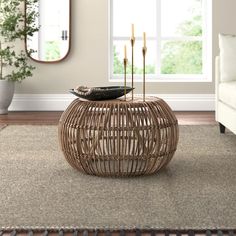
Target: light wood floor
52 118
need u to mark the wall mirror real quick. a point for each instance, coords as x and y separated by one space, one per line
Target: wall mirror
51 43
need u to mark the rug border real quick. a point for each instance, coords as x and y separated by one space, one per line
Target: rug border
112 229
109 232
2 127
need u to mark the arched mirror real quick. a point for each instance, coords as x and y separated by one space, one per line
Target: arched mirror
51 43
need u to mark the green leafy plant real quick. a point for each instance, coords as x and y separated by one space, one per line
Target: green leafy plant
15 25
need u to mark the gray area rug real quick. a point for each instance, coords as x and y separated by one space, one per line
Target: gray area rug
39 189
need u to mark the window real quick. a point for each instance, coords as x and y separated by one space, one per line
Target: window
178 38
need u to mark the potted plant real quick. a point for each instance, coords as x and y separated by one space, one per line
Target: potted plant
14 65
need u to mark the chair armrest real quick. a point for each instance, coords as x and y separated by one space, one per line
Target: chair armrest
217 82
217 70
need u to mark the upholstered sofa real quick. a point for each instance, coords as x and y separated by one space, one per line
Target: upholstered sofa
226 83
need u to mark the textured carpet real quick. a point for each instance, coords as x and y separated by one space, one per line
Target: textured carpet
39 189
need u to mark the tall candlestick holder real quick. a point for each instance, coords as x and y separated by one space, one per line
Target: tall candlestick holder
132 40
125 75
144 72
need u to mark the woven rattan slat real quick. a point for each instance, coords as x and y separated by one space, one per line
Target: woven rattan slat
117 137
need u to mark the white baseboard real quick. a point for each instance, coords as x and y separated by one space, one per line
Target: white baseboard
41 102
59 102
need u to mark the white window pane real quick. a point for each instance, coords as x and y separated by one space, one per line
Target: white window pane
180 57
118 54
138 12
181 18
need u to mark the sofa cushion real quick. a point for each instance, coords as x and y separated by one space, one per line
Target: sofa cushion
227 57
227 93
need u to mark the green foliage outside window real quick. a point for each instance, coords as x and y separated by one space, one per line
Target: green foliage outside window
182 58
52 50
119 66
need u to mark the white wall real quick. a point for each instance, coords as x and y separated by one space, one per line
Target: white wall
87 63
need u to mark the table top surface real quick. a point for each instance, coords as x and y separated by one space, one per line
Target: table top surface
137 99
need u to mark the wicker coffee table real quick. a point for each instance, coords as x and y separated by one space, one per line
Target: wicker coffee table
117 137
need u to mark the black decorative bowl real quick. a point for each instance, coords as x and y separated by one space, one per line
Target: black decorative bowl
102 93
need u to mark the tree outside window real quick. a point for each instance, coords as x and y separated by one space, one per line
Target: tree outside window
181 53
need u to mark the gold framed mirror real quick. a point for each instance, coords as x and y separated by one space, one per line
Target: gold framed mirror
52 42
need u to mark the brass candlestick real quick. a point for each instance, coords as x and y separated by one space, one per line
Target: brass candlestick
144 71
132 40
125 73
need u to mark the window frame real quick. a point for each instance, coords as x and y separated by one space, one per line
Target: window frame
206 40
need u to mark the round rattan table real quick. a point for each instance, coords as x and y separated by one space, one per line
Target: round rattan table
118 138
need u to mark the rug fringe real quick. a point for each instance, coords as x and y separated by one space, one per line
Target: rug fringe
122 232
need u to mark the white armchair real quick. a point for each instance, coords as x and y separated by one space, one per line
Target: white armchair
226 83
